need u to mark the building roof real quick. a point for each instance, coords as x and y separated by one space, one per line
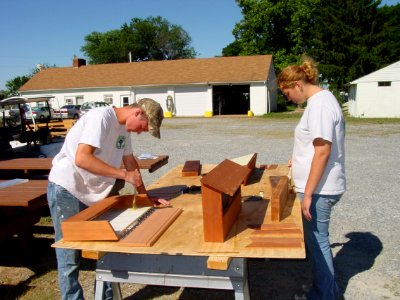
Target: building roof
167 72
389 73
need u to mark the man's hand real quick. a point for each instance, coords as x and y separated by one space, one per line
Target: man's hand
160 202
134 177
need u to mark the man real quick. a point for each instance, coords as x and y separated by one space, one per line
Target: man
87 167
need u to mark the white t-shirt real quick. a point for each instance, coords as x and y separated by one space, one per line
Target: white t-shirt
99 128
322 118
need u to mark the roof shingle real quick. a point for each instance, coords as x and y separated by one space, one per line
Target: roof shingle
184 71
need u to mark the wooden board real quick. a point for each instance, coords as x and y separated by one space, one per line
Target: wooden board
191 168
279 198
26 164
30 194
152 228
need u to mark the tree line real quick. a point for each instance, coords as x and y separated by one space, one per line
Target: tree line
348 38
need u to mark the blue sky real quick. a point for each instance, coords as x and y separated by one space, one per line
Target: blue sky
48 31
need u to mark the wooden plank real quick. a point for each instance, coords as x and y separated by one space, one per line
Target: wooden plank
249 162
152 164
225 177
191 168
152 228
218 262
279 199
26 164
278 232
31 194
88 231
287 242
95 255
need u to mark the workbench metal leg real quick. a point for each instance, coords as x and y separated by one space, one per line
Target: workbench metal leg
99 290
243 294
117 295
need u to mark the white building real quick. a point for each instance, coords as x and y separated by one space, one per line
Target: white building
376 95
194 87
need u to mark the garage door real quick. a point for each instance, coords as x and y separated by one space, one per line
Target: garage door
190 101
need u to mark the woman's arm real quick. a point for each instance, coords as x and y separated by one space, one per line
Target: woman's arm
322 151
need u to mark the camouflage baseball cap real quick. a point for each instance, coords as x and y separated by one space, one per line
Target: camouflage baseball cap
154 113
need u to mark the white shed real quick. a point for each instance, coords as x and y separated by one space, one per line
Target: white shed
376 95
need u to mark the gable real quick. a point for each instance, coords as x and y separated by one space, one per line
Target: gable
389 73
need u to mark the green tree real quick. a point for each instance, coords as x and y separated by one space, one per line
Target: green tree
281 28
153 38
348 38
343 39
14 84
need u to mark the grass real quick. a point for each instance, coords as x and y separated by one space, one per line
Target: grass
292 113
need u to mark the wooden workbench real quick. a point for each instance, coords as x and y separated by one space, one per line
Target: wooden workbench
189 225
181 258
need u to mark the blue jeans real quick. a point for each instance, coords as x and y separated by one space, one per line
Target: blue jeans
316 233
63 205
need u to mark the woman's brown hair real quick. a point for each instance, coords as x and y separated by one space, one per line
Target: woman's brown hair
306 72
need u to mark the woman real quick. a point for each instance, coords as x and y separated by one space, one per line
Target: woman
317 168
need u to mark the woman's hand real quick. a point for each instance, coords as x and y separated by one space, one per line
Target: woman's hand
305 207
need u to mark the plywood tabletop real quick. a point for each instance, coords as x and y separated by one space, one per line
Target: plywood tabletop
185 235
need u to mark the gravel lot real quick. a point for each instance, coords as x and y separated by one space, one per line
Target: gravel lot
365 224
365 227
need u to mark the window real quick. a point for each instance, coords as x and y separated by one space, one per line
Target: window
125 100
79 100
108 99
384 83
69 100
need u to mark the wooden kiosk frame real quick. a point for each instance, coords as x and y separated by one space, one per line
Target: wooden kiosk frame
221 199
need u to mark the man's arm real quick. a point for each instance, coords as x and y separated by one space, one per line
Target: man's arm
86 159
131 164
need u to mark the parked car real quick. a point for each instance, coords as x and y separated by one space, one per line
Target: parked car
69 111
86 106
38 113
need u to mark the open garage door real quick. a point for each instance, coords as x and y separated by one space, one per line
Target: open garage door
231 99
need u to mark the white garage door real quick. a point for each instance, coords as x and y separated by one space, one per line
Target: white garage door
190 101
157 94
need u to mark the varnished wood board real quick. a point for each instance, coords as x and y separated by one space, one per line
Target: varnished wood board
147 233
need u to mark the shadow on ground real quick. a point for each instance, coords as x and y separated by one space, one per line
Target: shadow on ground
356 256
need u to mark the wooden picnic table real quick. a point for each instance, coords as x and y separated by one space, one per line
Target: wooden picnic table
21 206
44 164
